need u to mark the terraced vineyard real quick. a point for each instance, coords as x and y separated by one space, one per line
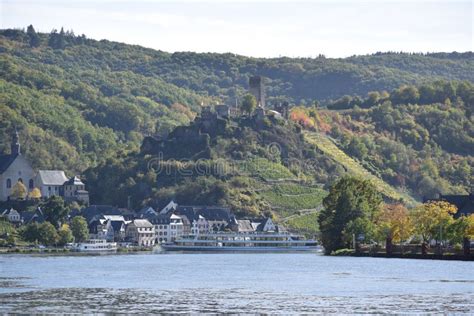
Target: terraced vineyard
328 147
295 205
288 198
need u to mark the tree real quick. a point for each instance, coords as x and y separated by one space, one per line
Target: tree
55 210
65 235
351 204
462 227
47 234
56 40
432 219
79 229
19 191
394 225
35 194
33 38
249 103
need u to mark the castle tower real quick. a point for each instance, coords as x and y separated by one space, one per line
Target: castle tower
257 89
15 146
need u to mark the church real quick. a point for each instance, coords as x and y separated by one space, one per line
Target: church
14 168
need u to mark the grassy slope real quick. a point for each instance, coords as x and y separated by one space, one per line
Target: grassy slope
327 146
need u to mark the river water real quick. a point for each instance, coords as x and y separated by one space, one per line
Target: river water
233 283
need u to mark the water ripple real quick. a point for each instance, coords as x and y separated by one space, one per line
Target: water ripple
236 300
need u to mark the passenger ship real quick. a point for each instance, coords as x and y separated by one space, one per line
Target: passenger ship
251 242
96 245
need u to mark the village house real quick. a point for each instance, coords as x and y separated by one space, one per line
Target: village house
264 225
12 216
218 218
32 217
141 232
75 190
200 226
169 226
50 182
108 227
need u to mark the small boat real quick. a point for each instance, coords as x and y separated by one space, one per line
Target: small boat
95 245
243 242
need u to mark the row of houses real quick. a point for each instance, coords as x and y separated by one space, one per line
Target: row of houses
149 226
15 168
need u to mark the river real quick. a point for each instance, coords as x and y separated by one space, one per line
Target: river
233 283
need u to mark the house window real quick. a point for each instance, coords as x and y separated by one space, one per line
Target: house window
31 184
9 183
49 188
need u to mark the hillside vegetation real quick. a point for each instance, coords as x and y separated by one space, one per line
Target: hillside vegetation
403 120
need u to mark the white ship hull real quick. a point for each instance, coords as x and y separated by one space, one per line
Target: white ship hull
172 247
96 246
243 242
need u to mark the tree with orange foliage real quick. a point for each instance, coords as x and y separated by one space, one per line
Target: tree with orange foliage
300 116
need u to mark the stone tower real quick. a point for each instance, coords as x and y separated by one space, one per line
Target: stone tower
257 89
15 145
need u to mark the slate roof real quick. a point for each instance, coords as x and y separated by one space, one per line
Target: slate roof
6 161
74 181
244 225
211 213
142 223
10 211
52 177
160 219
94 210
32 217
171 206
117 225
147 212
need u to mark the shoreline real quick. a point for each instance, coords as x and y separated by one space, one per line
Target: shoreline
62 251
447 257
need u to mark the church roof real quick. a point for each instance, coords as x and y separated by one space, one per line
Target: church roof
52 177
6 161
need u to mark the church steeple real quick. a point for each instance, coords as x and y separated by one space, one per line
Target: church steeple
15 146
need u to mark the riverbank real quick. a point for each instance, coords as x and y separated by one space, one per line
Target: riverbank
18 250
429 256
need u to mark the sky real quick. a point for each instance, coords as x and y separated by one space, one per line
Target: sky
261 28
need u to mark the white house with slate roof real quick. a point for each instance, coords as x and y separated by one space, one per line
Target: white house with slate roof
15 168
141 232
50 182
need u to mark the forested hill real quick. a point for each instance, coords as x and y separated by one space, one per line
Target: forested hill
79 101
297 79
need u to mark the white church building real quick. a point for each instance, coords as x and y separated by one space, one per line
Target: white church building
14 167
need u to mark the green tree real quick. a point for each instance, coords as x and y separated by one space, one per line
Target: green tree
47 234
351 203
44 233
65 235
79 229
19 191
55 210
249 103
33 38
431 220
